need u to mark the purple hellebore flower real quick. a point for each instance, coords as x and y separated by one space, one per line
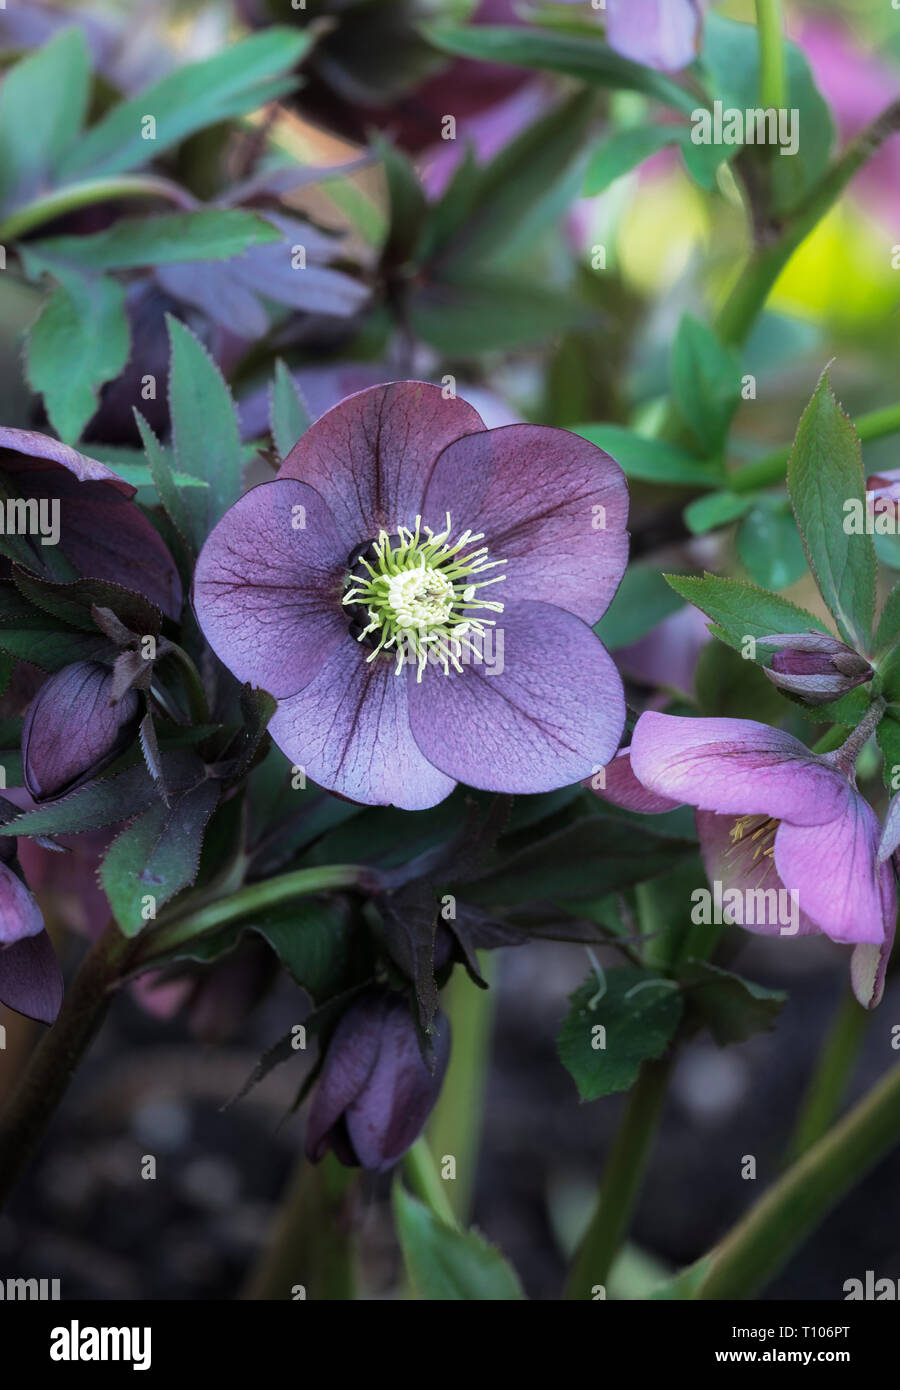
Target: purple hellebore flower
101 531
771 814
375 1091
72 729
362 588
662 34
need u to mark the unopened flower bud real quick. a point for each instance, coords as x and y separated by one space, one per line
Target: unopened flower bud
72 729
814 666
375 1091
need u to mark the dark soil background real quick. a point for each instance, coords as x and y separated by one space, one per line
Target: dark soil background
86 1216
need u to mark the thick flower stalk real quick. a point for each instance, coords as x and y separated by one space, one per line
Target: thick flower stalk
417 592
779 827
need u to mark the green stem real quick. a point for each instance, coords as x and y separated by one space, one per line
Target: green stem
85 194
255 897
768 471
311 1243
829 1082
426 1182
747 299
52 1064
779 1222
455 1125
621 1182
772 67
193 684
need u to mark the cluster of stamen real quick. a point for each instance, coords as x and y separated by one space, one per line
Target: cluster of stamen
754 836
414 595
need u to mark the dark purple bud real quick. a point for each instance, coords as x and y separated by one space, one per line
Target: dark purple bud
814 665
30 978
73 730
375 1091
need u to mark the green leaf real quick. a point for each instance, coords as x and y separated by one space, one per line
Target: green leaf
642 600
407 206
29 634
587 858
313 939
769 544
288 412
742 610
624 151
706 383
731 1007
43 100
825 483
590 60
491 312
887 633
446 1264
718 509
72 603
91 807
204 429
80 341
212 234
240 78
614 1026
730 688
731 58
156 856
516 184
650 460
164 480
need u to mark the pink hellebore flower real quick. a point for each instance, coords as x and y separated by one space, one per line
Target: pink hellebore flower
771 814
662 34
417 592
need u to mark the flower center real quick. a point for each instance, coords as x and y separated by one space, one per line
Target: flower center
754 837
414 594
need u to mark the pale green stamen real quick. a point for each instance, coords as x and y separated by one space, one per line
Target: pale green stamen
420 594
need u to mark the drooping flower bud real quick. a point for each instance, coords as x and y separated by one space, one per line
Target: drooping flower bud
375 1091
31 982
72 729
814 665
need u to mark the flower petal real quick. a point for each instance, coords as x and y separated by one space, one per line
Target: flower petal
547 713
623 788
351 1054
349 728
370 456
868 964
736 767
400 1093
734 867
267 593
534 493
30 978
20 915
835 869
103 533
663 34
